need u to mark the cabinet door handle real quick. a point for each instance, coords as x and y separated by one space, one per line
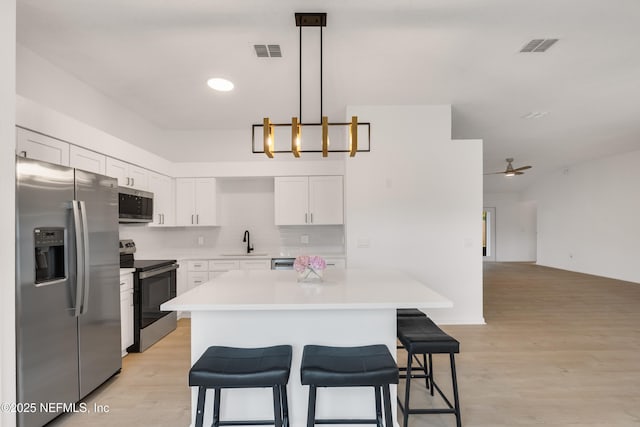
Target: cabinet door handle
159 218
23 153
162 218
197 219
305 218
192 219
133 182
311 214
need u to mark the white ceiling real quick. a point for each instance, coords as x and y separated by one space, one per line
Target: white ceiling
154 58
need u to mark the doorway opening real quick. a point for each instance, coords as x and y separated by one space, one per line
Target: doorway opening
489 234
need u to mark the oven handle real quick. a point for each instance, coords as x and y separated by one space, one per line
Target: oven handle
157 271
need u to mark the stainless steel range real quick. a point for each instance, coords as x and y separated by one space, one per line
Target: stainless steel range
154 282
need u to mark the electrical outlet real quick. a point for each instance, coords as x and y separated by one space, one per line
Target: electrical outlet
363 242
304 239
200 240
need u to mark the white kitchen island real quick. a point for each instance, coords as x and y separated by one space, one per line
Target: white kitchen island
263 308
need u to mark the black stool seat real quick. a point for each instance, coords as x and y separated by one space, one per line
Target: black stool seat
409 312
366 366
424 336
229 367
348 366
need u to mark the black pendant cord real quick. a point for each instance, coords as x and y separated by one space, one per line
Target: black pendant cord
320 74
300 67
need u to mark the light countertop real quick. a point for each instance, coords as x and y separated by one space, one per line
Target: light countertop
207 254
280 290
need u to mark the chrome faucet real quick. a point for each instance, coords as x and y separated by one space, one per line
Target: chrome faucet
246 239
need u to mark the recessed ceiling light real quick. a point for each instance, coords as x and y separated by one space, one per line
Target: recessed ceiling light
222 85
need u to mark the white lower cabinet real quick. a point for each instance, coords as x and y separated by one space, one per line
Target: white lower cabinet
255 264
201 271
196 278
126 311
220 266
335 262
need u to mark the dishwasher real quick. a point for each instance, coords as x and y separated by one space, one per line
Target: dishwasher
282 263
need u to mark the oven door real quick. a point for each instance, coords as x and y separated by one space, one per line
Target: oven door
155 287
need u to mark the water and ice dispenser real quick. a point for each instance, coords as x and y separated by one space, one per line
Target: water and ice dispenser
49 254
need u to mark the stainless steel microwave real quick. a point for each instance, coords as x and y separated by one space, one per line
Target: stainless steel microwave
135 205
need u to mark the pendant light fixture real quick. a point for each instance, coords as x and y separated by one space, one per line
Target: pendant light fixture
268 133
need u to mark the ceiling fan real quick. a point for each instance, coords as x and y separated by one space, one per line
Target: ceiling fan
510 171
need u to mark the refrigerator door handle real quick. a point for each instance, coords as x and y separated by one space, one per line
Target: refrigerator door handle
85 258
79 256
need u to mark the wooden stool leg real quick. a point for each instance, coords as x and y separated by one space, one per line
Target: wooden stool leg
202 393
388 418
216 407
311 414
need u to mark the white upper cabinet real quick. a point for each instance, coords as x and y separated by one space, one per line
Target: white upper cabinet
164 206
40 147
291 200
87 160
326 200
196 201
316 200
128 175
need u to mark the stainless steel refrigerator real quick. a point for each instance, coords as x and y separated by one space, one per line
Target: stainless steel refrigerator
67 286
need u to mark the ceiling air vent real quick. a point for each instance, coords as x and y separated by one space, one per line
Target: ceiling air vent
268 51
274 50
538 45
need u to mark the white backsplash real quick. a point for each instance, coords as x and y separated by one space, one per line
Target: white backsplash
243 204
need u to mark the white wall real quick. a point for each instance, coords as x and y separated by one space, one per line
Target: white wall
588 217
515 226
46 84
7 215
404 203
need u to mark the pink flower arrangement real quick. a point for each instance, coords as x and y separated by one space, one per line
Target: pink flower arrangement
314 263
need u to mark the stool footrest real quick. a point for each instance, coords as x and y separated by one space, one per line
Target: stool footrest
247 423
349 421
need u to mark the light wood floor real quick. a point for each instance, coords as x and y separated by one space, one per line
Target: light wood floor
559 349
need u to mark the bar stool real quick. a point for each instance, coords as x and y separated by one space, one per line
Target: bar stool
366 366
421 336
409 312
229 367
404 313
